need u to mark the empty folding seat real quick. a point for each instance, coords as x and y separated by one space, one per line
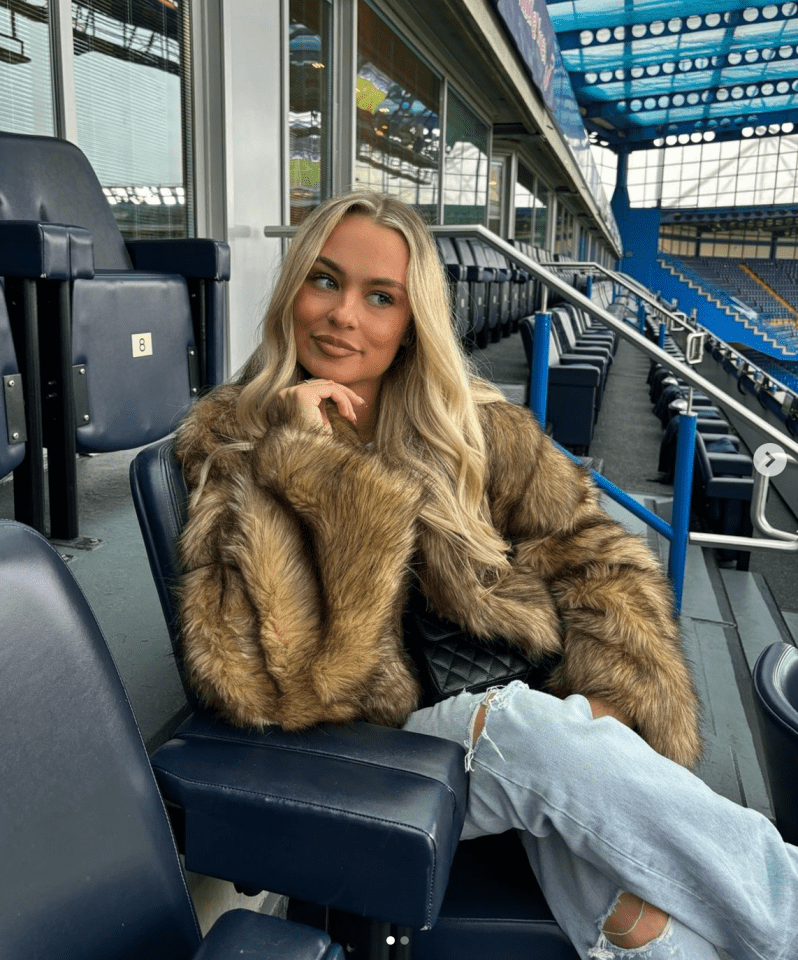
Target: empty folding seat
596 357
456 274
517 289
572 341
129 333
498 290
484 312
722 490
587 328
572 396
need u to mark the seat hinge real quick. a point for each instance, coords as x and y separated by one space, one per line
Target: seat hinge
15 408
193 371
81 393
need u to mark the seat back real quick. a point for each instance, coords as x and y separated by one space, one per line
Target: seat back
51 180
12 434
161 498
88 865
775 681
133 340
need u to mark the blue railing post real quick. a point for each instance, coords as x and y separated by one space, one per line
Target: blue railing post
641 317
682 492
589 288
539 378
663 329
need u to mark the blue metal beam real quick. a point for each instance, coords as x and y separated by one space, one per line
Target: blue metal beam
593 14
734 23
637 131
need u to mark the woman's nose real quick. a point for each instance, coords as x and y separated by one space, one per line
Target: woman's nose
344 311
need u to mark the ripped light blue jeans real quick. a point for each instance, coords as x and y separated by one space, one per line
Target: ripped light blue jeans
601 812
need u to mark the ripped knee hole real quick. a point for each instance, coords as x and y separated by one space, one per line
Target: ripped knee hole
634 923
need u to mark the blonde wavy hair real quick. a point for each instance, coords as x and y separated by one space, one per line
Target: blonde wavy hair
429 397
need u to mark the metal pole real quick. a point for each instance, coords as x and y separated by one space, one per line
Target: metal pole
682 491
539 378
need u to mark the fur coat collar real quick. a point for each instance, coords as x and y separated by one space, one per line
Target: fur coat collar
297 557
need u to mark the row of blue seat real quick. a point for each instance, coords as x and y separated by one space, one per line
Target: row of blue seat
722 474
103 343
782 404
490 295
579 361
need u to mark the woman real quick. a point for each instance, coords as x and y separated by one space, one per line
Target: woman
355 451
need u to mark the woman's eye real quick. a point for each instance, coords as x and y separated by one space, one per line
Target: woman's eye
323 280
381 299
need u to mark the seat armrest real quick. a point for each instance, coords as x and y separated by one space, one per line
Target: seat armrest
45 251
730 488
375 812
197 257
575 375
590 353
578 359
730 464
243 933
708 426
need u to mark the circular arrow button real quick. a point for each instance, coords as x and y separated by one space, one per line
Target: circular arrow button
770 459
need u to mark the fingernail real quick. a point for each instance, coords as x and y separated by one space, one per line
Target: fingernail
362 401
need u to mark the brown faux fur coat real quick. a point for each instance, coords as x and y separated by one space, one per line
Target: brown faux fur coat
297 558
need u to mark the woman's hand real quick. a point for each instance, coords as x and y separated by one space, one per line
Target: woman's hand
311 398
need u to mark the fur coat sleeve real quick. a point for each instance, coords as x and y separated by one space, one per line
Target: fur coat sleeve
620 639
292 596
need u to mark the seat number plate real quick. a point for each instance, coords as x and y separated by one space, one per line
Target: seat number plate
142 344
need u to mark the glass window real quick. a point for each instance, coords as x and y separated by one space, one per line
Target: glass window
310 104
541 224
131 89
524 213
26 100
564 243
495 190
531 208
398 124
465 171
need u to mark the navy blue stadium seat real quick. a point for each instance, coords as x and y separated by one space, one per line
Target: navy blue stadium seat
570 351
484 297
498 290
377 811
775 681
128 334
457 276
573 392
88 864
573 341
588 329
722 489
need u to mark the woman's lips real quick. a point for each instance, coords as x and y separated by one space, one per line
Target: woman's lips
333 347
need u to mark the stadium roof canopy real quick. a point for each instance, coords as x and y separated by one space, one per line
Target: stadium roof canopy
647 72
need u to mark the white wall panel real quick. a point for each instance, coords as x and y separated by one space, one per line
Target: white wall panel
253 160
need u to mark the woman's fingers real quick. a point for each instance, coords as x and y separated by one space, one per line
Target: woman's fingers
312 395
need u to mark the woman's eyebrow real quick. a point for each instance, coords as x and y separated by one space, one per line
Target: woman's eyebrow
373 281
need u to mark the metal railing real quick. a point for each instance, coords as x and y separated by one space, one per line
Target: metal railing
677 532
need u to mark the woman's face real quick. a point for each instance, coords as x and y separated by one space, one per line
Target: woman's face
352 312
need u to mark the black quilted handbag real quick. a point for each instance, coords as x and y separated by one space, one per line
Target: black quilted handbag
449 660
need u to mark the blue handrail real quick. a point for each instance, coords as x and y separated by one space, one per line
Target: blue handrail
677 532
